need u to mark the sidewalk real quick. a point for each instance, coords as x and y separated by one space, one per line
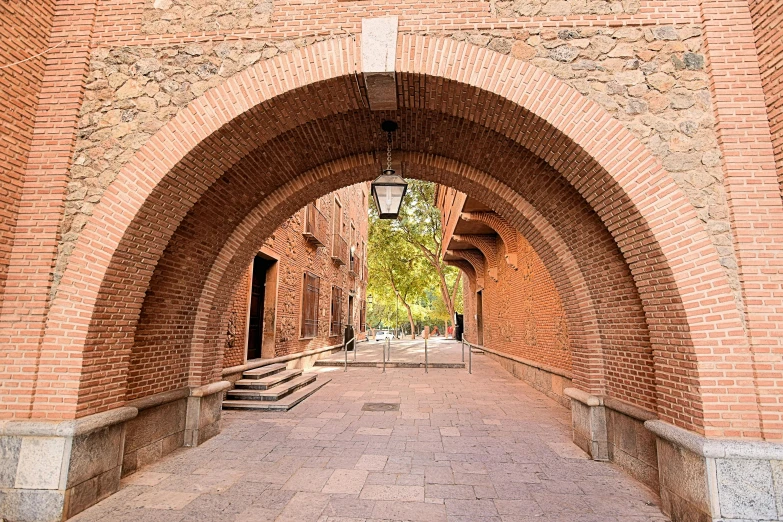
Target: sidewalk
455 447
440 350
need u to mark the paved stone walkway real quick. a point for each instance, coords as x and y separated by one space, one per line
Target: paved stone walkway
461 448
439 350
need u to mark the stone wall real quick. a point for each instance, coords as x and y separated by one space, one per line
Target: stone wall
652 79
177 16
529 8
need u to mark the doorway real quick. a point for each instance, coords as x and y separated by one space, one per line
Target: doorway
479 319
350 310
258 290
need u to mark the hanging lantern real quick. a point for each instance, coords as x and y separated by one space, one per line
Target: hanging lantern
388 189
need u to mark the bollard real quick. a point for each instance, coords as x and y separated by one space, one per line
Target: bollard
345 347
463 349
425 357
353 343
384 358
470 358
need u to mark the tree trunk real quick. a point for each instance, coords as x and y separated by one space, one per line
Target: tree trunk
410 318
454 293
444 290
406 305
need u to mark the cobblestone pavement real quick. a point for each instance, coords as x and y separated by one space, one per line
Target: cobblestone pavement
461 448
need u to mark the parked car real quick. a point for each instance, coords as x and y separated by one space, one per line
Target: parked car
382 335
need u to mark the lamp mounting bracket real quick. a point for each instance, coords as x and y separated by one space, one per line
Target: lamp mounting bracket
389 126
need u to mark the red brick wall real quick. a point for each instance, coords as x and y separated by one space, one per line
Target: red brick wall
235 354
768 27
469 309
297 255
24 32
523 314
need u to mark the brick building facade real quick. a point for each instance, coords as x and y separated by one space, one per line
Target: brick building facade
510 302
632 144
307 245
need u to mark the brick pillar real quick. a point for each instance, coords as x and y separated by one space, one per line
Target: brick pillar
702 478
41 387
755 204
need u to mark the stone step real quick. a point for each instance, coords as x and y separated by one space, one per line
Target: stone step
272 394
379 364
284 404
267 382
264 371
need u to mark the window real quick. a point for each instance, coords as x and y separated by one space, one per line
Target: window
336 327
310 294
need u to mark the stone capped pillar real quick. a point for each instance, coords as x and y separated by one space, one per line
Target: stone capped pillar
49 471
707 480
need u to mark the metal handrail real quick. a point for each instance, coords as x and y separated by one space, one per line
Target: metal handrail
470 352
345 348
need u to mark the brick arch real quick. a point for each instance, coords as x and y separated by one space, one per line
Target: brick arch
488 247
465 267
475 258
507 234
673 262
237 251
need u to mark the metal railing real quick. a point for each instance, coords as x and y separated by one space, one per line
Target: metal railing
316 228
470 352
352 340
339 249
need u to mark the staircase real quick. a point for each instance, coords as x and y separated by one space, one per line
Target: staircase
271 388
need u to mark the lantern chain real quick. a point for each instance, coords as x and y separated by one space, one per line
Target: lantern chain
389 151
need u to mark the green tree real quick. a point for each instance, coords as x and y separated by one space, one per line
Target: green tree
420 225
397 271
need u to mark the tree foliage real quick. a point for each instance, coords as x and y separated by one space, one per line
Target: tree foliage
404 259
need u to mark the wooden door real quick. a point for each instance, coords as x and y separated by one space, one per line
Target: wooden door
255 333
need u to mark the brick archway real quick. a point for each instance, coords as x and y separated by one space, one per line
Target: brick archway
674 265
218 287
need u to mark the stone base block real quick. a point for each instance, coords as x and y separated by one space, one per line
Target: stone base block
204 406
32 505
158 430
631 445
53 470
588 419
706 480
609 429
